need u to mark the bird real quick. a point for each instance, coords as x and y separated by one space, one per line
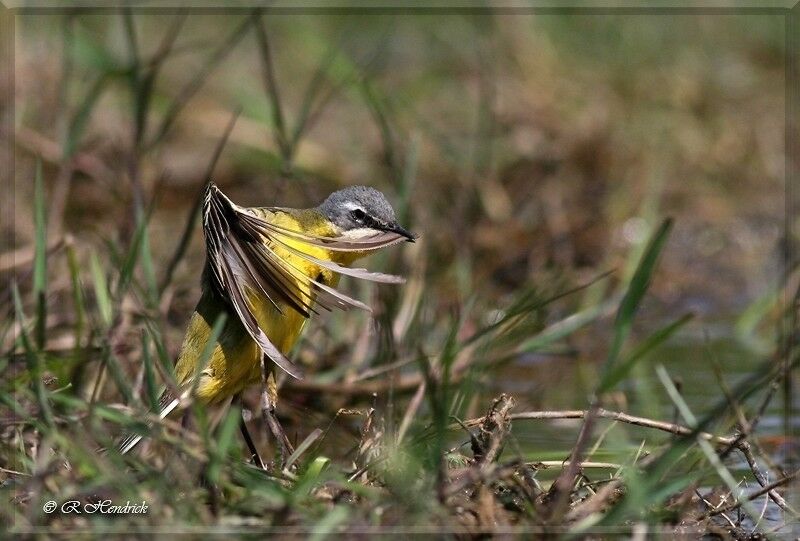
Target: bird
267 271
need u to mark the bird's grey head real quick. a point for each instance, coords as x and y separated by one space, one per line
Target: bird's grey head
361 209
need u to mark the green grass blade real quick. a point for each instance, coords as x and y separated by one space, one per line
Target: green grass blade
224 440
134 72
561 329
78 405
77 294
88 53
381 112
711 455
528 302
312 475
620 371
40 258
165 365
132 257
227 432
11 403
149 374
118 375
34 361
636 290
101 293
80 119
312 92
148 269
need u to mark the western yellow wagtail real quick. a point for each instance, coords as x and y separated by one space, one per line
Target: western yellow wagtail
268 269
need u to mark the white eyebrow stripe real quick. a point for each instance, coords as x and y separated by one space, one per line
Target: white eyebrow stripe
350 205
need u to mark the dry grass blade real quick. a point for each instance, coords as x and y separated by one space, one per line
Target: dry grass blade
411 411
302 448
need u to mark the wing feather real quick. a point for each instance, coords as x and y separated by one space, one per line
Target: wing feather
234 274
363 274
244 263
243 310
340 244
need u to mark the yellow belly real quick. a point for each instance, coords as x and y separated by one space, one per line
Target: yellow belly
236 359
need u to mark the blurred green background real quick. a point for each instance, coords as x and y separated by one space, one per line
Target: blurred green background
531 152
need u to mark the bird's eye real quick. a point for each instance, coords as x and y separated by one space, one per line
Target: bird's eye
357 214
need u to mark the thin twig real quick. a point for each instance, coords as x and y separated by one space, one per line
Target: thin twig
726 390
382 369
713 457
716 510
546 464
743 446
614 415
52 152
750 497
563 485
747 451
271 87
315 85
13 472
144 86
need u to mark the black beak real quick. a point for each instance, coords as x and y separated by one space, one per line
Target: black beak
396 228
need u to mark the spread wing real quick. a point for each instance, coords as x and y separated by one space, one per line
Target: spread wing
243 261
